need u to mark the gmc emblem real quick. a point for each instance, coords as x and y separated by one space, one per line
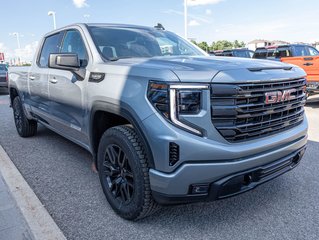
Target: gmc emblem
280 96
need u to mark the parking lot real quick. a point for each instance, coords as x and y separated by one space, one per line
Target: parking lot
60 174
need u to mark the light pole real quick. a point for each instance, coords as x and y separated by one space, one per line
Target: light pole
51 13
185 19
16 34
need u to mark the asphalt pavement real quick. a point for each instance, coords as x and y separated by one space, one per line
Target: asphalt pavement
60 174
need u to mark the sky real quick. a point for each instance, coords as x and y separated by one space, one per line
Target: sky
209 20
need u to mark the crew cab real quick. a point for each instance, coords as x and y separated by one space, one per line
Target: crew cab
304 56
165 122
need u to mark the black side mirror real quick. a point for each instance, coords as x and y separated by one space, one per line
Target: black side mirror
67 61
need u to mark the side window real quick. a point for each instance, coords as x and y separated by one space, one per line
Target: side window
51 45
300 51
73 43
313 51
284 52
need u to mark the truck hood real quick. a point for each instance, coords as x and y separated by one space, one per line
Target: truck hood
204 69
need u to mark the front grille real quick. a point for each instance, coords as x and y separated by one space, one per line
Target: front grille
239 111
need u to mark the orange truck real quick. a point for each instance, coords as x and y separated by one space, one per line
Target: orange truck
302 55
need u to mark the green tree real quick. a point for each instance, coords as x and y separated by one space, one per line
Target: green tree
221 44
238 44
204 46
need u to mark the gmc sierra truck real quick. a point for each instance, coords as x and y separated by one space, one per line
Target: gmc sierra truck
164 122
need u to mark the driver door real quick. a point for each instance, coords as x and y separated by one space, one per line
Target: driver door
67 92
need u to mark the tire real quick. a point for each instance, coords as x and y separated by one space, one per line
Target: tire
24 126
124 173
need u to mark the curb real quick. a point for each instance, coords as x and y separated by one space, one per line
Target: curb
41 224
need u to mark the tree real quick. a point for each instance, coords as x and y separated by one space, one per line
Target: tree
204 46
221 45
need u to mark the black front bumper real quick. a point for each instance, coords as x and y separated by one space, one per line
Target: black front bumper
237 183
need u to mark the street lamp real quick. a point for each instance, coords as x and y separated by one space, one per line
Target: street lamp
16 34
186 17
51 13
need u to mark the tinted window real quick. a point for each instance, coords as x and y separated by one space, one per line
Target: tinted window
73 43
313 51
132 42
283 52
260 54
51 45
3 68
271 53
300 51
227 54
242 54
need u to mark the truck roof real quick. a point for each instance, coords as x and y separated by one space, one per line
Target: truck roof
283 45
115 25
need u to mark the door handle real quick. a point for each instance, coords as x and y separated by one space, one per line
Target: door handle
308 64
31 77
53 80
308 58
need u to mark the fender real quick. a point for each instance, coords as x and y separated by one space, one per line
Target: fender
125 111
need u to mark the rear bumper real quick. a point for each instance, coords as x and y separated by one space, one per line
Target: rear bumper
4 84
233 184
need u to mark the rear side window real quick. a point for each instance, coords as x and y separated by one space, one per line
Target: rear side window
300 51
73 43
51 45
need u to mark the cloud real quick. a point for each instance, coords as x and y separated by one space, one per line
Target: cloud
202 2
25 54
193 23
80 3
208 12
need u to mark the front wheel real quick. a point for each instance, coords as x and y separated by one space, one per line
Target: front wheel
24 126
123 172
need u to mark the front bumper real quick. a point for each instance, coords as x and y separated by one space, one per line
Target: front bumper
230 184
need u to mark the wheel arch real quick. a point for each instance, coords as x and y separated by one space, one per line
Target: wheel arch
119 115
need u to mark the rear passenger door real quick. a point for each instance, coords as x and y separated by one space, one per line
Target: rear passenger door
38 97
67 91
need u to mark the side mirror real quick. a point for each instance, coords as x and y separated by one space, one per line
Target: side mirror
67 61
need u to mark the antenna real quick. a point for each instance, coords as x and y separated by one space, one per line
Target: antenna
159 26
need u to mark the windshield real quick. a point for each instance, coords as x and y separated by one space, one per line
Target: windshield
114 43
3 67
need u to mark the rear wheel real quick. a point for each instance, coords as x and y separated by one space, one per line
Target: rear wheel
24 126
123 172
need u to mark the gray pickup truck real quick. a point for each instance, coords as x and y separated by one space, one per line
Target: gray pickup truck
164 122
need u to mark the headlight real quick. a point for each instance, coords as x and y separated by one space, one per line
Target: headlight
173 100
